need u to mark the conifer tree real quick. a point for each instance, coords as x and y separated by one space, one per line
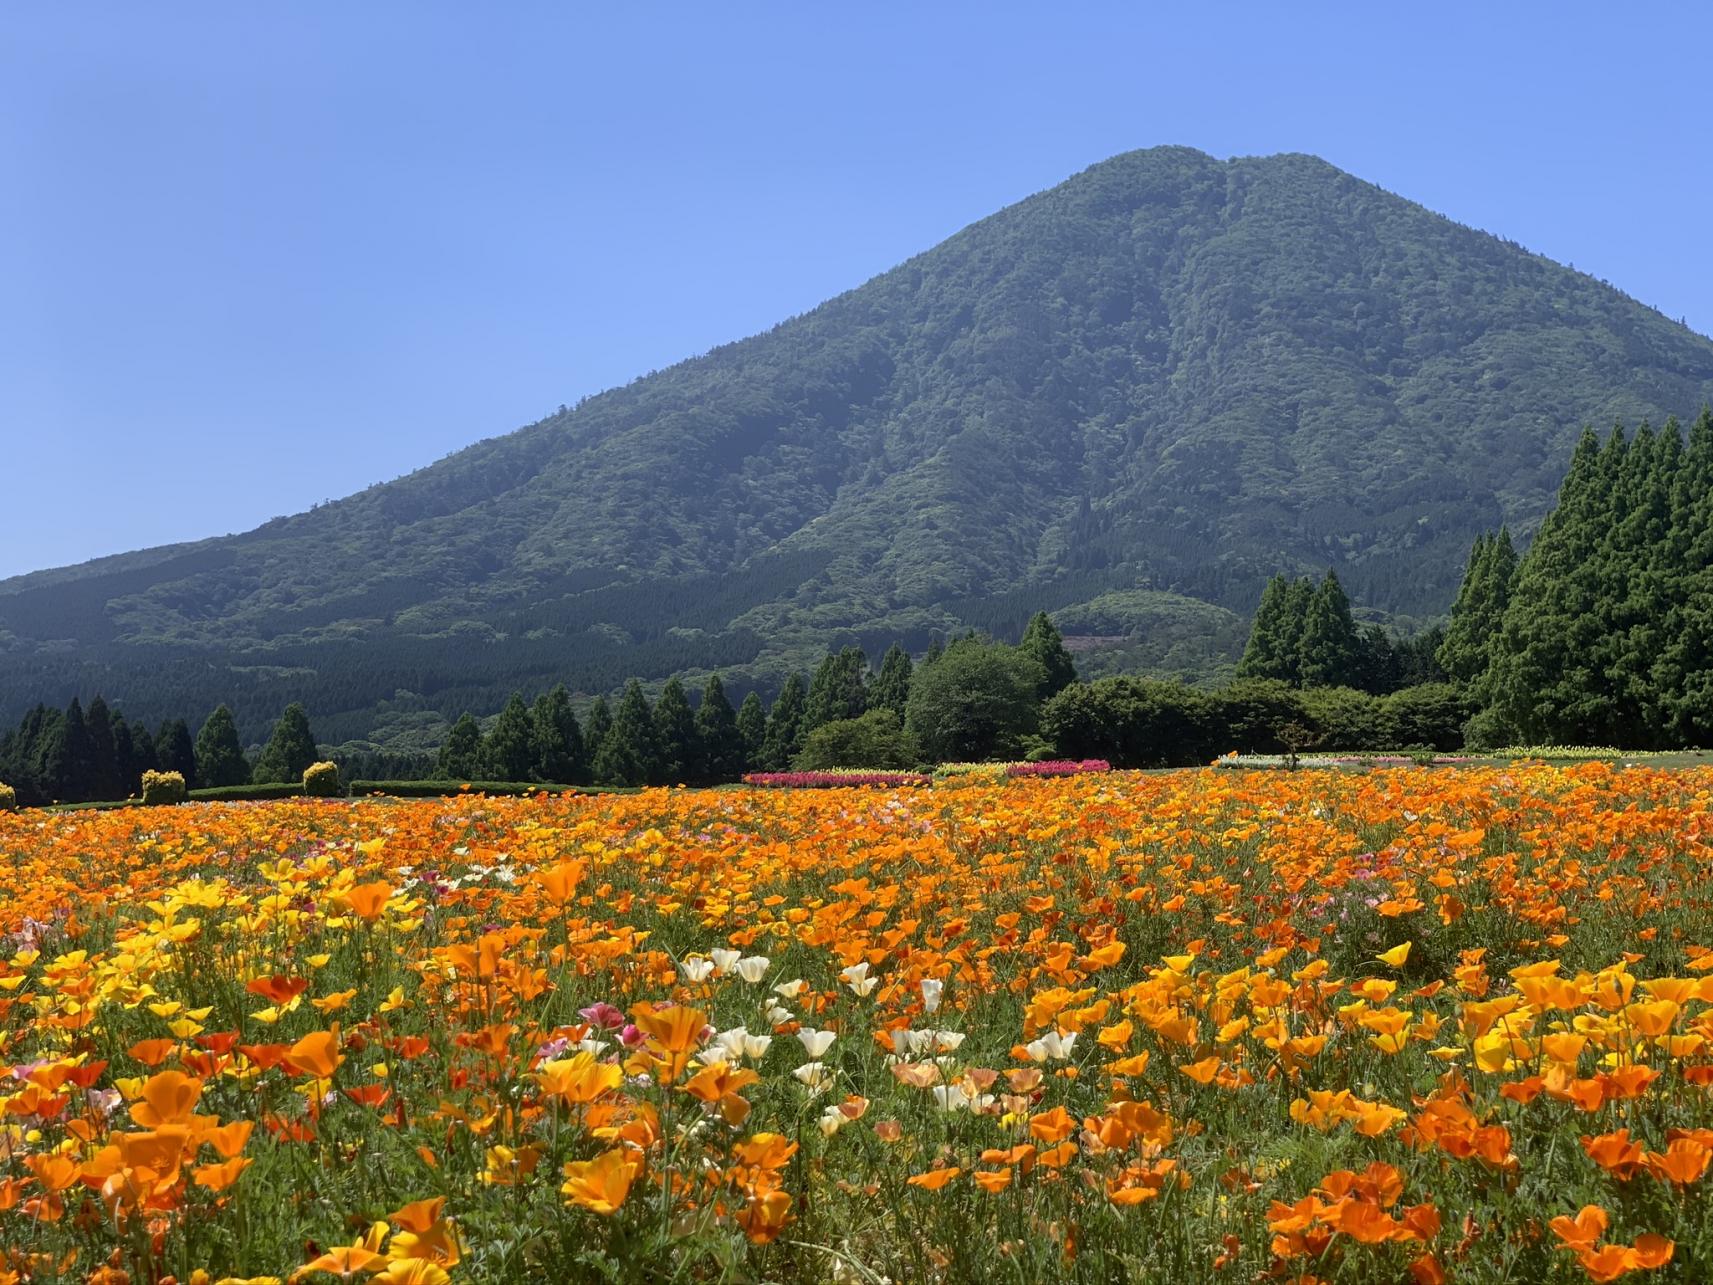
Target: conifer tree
461 755
629 753
1466 651
679 753
104 779
1043 644
752 728
176 752
1331 646
1683 671
289 750
508 750
936 649
891 688
558 739
1544 687
595 729
839 689
785 726
1274 646
719 742
219 754
66 765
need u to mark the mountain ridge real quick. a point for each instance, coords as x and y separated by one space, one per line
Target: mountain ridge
1169 373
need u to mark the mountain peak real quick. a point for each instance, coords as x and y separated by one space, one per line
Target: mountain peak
1164 379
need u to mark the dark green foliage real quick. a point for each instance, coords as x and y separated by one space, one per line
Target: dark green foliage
595 729
785 726
1331 651
1274 649
630 751
877 740
977 701
1604 638
102 778
891 688
289 750
839 689
752 729
461 754
1344 718
719 741
1431 716
1130 722
176 752
1466 651
220 761
560 755
508 750
1043 644
679 752
248 792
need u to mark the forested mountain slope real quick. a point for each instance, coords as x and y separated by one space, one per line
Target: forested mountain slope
1168 375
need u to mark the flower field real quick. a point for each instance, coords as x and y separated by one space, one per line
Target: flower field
1407 1025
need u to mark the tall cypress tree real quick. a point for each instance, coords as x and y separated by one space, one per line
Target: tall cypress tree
891 688
595 729
290 749
67 767
1544 687
1683 672
105 780
629 753
1275 638
752 729
460 756
1466 651
720 744
559 753
679 752
785 725
839 689
508 751
219 754
1331 646
176 752
1043 644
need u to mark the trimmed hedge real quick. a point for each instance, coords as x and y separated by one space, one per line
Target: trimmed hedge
443 789
8 798
248 793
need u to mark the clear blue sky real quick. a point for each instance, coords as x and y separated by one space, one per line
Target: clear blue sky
253 257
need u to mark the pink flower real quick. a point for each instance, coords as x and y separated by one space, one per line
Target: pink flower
602 1015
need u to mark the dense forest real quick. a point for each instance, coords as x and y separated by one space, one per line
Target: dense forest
1130 401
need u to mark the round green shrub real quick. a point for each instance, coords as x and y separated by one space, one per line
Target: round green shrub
322 779
8 798
160 788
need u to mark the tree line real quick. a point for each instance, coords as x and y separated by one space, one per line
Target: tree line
1602 632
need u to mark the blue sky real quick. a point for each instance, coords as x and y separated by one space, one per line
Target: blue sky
254 257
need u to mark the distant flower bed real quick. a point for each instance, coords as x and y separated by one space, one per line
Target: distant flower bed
834 777
1058 767
1576 753
1343 760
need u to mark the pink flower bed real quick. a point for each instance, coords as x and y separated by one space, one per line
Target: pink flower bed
825 780
1059 767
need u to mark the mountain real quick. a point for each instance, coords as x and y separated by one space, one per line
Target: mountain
1130 398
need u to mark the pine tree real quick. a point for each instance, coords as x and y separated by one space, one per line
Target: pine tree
595 729
461 754
785 726
219 754
629 753
176 752
508 750
838 690
679 751
1043 644
66 765
752 729
290 750
1331 647
891 688
559 753
721 745
1683 672
1275 638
